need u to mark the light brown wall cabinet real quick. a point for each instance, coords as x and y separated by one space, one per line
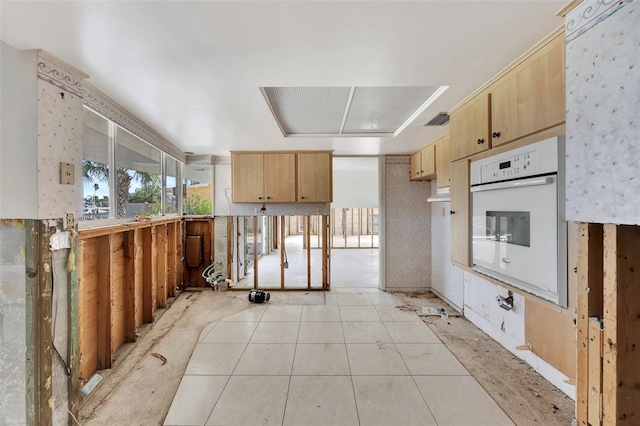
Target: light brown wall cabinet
263 178
531 100
281 177
443 161
423 163
315 177
460 219
525 100
470 128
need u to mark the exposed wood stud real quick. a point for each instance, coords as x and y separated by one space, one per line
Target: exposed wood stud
590 240
31 307
621 339
595 372
255 252
44 315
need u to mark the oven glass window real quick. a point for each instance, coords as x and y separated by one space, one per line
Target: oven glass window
509 227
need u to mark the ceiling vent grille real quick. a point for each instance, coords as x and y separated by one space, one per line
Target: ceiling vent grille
439 120
348 111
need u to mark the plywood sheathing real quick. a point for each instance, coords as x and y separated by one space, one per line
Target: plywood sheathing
551 335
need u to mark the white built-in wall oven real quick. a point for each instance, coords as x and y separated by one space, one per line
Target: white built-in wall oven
518 218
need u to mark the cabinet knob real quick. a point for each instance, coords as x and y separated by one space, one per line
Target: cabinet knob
302 198
259 198
495 134
452 212
421 171
268 198
480 141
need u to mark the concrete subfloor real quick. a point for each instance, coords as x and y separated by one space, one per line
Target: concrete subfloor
353 267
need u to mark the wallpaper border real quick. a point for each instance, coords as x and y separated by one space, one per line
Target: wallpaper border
589 14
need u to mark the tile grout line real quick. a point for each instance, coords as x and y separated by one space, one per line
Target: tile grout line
235 366
353 387
293 361
410 373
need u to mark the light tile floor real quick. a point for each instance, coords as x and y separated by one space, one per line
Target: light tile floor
312 364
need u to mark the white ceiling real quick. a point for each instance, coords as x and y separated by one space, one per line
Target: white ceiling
192 70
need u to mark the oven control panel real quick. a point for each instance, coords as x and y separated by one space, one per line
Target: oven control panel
518 166
538 158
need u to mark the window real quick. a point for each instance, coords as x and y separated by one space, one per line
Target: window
138 176
198 190
123 175
96 148
171 190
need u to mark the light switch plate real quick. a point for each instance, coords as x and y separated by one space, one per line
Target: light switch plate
67 174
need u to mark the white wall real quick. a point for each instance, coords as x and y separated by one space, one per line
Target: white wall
603 112
355 182
446 280
18 133
406 231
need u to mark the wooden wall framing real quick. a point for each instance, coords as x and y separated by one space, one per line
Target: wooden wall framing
608 382
125 273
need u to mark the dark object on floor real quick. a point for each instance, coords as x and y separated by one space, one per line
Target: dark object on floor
258 296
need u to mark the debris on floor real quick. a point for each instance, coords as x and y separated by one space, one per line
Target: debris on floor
160 357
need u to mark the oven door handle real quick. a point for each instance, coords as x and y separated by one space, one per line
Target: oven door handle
546 180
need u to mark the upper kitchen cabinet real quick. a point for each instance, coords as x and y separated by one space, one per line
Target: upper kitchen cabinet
443 161
263 177
315 177
280 177
470 128
423 163
416 165
247 178
428 162
526 98
533 98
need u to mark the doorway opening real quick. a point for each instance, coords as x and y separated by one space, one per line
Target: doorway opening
354 231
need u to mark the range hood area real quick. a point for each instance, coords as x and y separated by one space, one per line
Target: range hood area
443 196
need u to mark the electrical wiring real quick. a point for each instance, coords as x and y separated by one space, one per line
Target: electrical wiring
54 308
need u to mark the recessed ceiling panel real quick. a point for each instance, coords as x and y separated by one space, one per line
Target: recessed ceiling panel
308 110
384 109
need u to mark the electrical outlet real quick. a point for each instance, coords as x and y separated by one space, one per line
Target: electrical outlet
67 174
70 221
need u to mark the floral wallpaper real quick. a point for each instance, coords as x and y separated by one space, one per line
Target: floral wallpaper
407 228
603 112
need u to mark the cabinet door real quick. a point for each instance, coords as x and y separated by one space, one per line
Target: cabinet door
280 178
416 169
460 218
531 100
428 162
443 162
247 180
315 177
469 129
